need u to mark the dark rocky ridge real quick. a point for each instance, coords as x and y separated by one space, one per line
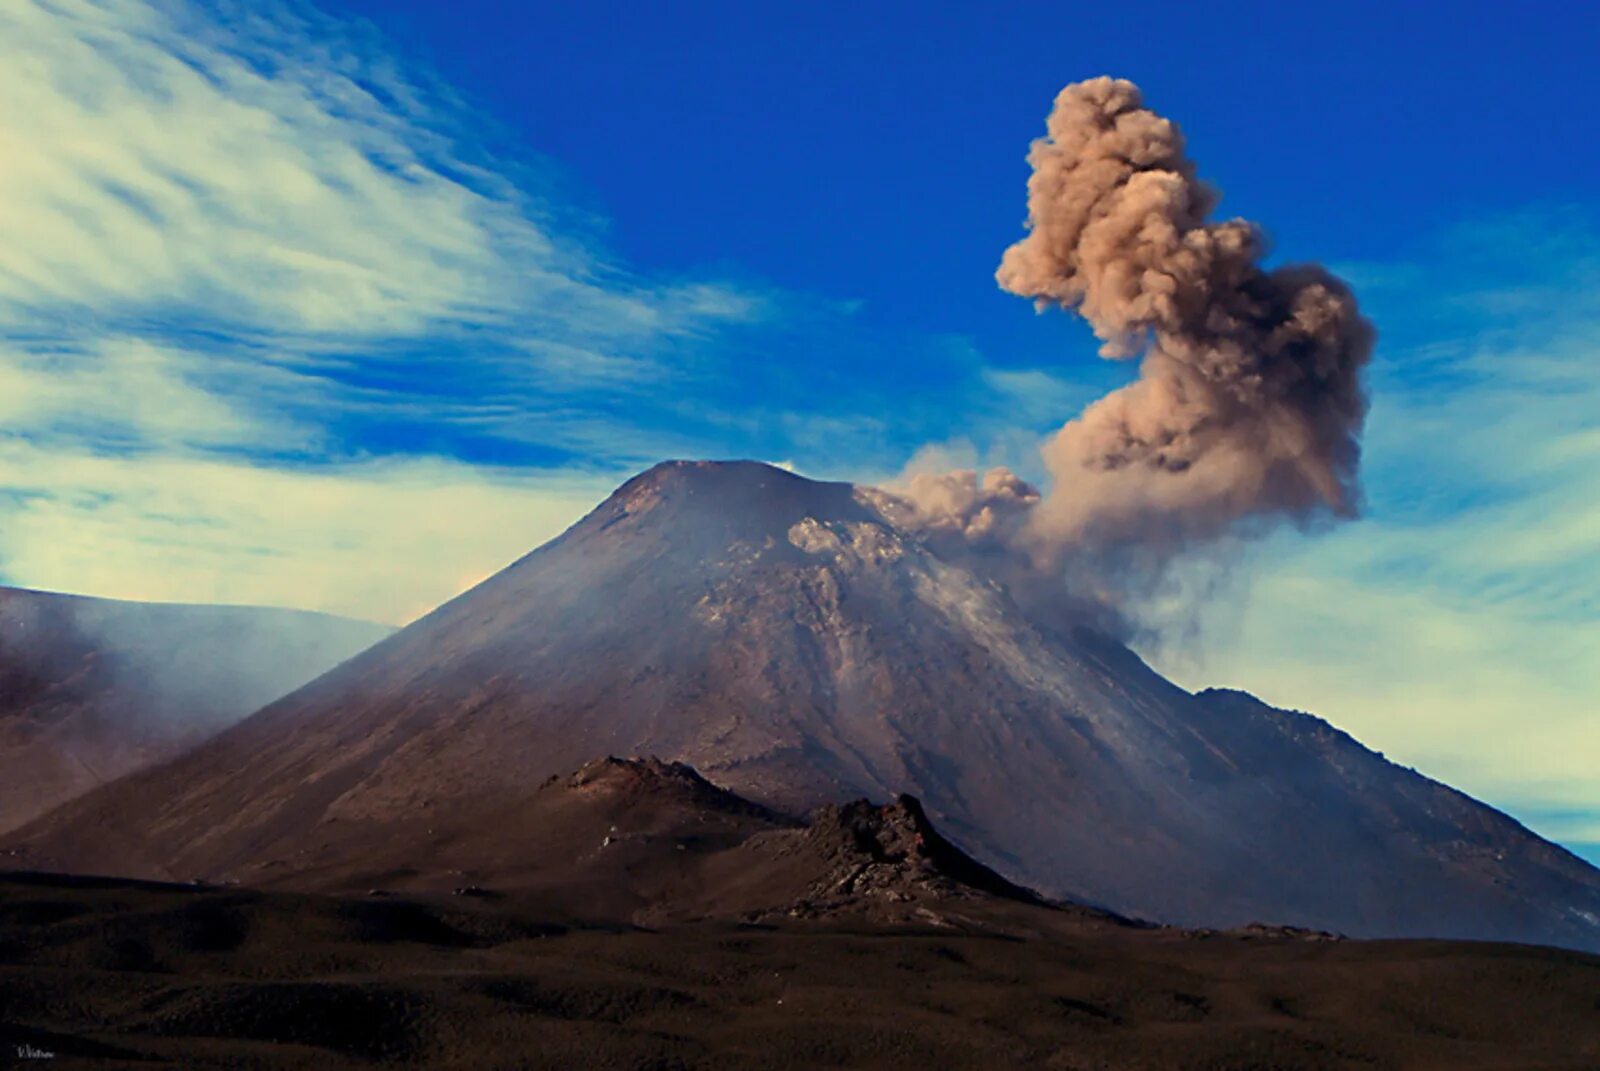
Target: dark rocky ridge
788 640
642 841
91 689
886 853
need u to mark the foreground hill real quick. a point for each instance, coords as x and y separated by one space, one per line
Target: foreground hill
101 973
641 917
641 841
794 644
91 689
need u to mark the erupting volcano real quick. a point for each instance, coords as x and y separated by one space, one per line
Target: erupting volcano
791 642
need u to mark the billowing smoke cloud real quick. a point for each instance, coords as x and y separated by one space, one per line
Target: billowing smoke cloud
979 511
1249 402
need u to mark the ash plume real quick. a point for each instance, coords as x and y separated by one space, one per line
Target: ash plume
1247 411
1249 402
964 507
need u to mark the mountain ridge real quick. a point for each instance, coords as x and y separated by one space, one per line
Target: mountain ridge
796 646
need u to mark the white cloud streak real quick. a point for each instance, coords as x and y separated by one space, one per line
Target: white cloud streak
383 540
156 159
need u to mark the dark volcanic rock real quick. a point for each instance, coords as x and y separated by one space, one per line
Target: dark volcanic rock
891 852
324 984
791 642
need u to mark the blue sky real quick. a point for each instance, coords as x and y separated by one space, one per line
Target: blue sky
346 306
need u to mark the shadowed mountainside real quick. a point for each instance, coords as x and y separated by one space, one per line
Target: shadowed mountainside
787 639
91 689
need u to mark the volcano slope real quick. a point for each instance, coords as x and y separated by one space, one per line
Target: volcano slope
857 938
91 689
787 639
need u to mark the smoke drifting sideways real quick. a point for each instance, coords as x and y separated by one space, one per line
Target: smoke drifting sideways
152 671
983 522
1249 404
963 509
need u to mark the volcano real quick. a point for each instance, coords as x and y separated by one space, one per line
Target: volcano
795 645
91 689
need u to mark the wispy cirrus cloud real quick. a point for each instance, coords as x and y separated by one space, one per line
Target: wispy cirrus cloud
116 390
267 168
270 315
381 539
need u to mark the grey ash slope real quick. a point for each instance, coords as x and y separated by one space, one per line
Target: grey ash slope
91 689
787 640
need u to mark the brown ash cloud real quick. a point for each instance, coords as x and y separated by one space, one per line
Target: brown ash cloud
1249 403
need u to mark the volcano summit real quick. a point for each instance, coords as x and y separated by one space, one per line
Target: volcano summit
787 639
